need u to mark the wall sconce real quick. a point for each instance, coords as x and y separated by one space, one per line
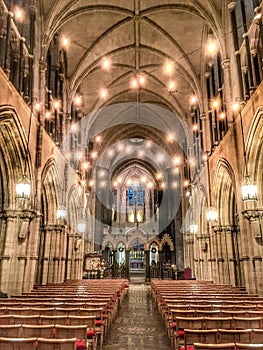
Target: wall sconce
211 214
61 213
249 189
193 228
23 186
81 227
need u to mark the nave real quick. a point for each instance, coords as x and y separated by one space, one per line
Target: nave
115 314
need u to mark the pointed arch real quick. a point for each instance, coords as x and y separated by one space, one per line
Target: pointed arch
254 148
225 190
121 239
49 195
151 241
167 240
74 207
12 155
137 235
109 240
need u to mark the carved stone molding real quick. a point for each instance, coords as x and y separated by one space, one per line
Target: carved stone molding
251 214
34 257
225 228
202 237
18 214
244 258
5 257
257 258
226 63
22 257
232 5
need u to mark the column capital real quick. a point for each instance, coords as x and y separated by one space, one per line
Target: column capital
232 5
202 237
226 63
20 214
225 228
252 214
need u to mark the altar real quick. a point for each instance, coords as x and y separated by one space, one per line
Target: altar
136 264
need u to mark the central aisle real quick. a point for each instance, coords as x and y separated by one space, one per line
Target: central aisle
138 324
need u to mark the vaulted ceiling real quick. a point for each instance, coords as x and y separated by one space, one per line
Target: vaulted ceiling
135 65
138 38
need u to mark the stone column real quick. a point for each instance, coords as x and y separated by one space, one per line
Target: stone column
220 257
2 34
232 7
227 88
69 259
8 44
255 220
127 263
161 263
32 252
213 254
114 272
16 251
46 233
189 251
147 267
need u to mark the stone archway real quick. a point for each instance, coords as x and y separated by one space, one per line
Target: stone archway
18 219
225 235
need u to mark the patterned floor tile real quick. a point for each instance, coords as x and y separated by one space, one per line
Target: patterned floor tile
138 324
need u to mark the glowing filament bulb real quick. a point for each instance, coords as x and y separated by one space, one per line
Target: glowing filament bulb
103 93
65 42
212 47
169 67
171 86
215 104
106 64
141 80
134 83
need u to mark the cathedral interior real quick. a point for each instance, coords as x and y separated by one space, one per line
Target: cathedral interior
131 141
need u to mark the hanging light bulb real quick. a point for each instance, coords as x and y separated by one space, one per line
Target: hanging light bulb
65 41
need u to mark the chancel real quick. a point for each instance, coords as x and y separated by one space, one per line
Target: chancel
131 174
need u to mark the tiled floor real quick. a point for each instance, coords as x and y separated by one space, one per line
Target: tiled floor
138 324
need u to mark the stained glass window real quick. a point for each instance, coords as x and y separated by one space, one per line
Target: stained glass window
130 195
140 199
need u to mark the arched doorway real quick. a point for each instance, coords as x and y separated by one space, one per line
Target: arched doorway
137 259
136 249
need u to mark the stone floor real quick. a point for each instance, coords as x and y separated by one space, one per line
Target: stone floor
138 324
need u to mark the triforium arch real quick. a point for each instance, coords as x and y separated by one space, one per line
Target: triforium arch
225 233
